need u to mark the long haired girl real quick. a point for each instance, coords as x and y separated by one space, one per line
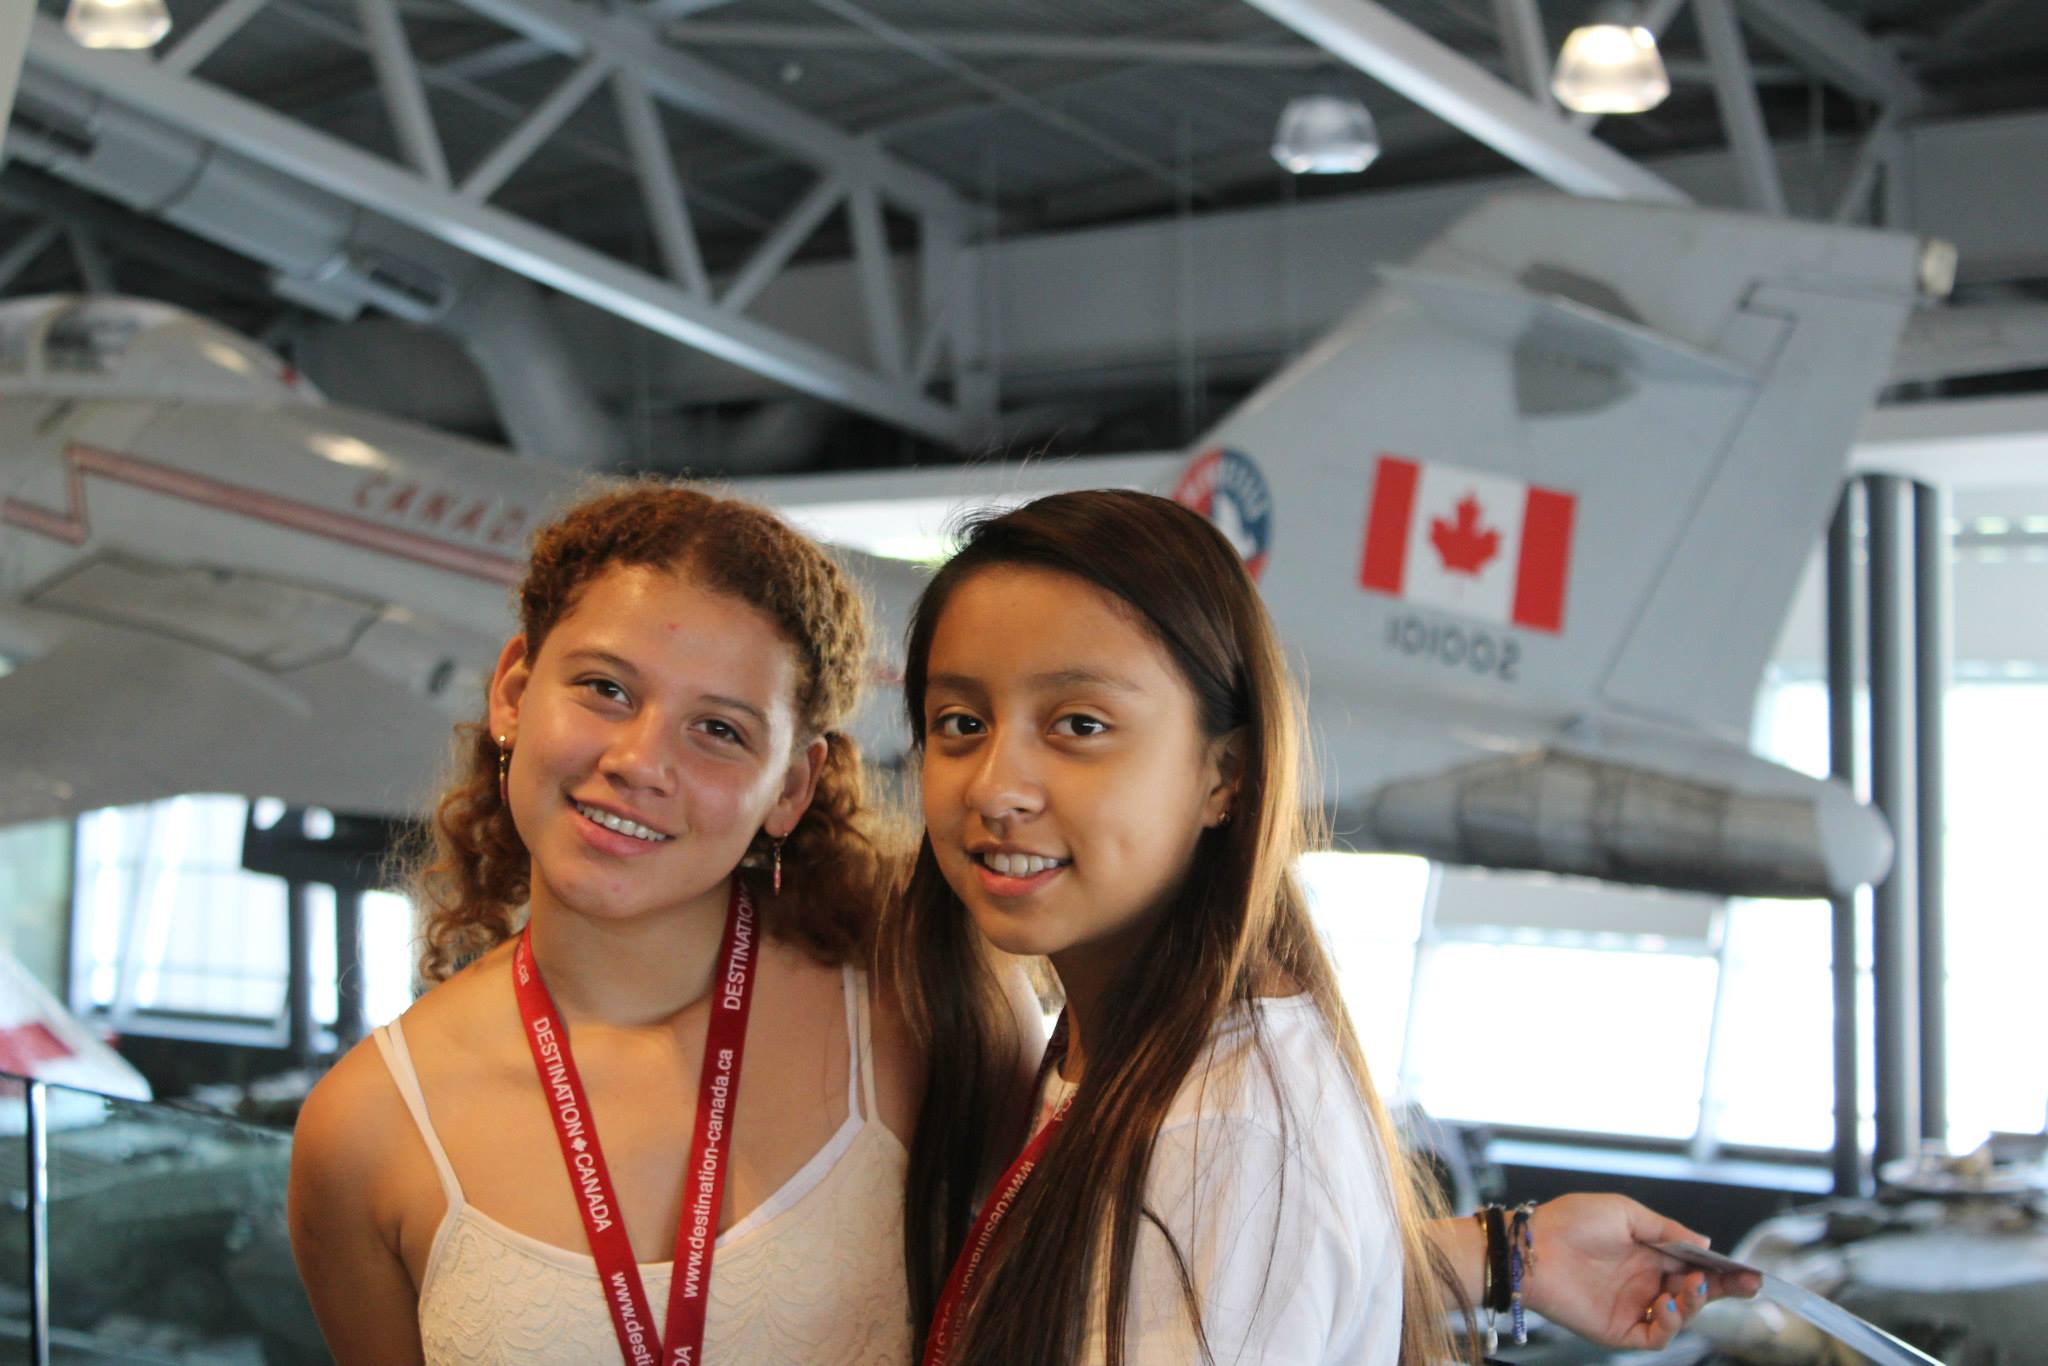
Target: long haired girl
1112 756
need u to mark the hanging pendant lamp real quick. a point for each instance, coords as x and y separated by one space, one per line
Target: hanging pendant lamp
120 24
1326 135
1610 67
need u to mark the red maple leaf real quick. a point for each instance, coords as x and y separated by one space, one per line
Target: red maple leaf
1463 546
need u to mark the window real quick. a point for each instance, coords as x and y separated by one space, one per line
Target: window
167 920
1538 1035
1775 1074
171 928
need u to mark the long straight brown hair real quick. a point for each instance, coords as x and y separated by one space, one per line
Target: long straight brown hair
1237 925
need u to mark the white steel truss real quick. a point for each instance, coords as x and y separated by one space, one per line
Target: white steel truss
1741 115
1837 49
904 380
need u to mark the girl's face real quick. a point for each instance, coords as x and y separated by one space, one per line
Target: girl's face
653 735
1066 776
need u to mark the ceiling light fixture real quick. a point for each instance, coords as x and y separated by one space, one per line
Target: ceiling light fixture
1325 135
124 24
1610 67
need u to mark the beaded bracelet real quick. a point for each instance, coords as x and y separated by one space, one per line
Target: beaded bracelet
1510 1254
1521 1259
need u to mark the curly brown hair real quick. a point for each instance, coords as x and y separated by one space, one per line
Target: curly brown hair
471 873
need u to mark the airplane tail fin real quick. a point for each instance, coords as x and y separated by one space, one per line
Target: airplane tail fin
1572 457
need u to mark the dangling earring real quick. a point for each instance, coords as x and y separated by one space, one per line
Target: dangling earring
505 769
775 878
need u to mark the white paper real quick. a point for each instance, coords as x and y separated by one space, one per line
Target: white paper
1824 1314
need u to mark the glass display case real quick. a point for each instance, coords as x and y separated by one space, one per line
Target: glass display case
144 1233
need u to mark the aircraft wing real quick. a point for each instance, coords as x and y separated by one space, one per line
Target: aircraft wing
111 717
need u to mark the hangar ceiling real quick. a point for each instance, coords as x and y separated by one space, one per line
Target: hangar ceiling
776 232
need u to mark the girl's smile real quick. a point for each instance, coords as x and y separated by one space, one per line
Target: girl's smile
610 831
1008 872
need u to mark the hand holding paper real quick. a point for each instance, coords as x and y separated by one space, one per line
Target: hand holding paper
1596 1272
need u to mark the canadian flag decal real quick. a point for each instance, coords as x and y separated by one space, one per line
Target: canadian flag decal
1468 542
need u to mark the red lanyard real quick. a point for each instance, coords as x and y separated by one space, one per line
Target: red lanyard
718 1090
967 1266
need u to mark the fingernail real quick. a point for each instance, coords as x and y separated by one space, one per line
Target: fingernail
1699 1288
1671 1303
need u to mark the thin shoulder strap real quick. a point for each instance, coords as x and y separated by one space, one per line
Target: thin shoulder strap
398 1061
860 1034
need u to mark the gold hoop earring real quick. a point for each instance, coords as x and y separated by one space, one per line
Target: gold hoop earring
775 877
505 769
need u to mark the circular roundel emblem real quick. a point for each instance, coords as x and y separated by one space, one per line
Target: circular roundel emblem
1227 488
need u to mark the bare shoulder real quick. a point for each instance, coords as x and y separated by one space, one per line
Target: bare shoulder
355 1122
344 1131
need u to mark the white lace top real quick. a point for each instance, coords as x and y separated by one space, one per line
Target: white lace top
813 1275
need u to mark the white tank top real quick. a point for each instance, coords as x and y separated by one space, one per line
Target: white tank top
812 1275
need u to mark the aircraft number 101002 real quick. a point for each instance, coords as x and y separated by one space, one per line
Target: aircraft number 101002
1456 647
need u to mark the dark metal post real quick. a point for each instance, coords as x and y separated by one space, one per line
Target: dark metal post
1932 655
38 1223
298 986
351 1018
1850 1170
1894 943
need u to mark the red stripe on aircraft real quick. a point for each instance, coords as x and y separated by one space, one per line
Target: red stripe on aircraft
1386 525
1546 560
70 526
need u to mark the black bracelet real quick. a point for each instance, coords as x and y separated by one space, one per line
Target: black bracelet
1499 1297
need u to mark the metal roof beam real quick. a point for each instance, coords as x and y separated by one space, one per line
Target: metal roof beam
404 97
1459 91
1005 46
1838 50
877 281
1880 151
24 252
1528 52
370 181
94 269
603 153
1003 91
634 45
661 190
206 37
1742 118
536 128
492 59
774 250
14 26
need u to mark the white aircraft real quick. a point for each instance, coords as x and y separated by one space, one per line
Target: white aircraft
1529 518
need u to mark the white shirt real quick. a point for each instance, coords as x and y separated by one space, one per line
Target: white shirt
1281 1209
